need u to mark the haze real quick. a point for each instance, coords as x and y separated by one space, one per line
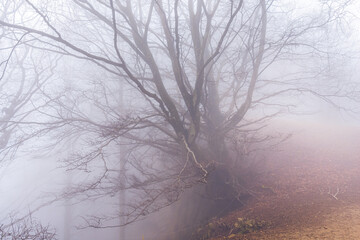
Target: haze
179 119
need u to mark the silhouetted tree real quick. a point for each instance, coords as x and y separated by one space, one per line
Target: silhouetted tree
26 229
200 78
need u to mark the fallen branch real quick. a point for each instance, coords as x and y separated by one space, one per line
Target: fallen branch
335 194
189 151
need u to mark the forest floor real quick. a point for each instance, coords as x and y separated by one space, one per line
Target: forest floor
310 190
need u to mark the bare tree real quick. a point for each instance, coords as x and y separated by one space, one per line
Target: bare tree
25 229
21 85
200 84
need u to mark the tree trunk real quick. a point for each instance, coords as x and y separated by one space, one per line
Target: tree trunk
223 182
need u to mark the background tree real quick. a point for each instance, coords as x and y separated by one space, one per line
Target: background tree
202 77
26 228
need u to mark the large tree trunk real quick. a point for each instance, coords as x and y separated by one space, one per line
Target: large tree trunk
224 181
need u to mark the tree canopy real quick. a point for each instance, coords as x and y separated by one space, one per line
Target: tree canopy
157 96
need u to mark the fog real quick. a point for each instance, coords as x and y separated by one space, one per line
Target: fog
151 119
315 138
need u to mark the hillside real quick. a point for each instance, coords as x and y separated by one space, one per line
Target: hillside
308 189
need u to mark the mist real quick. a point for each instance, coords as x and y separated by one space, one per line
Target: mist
179 119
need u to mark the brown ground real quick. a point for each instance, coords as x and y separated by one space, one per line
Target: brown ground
311 190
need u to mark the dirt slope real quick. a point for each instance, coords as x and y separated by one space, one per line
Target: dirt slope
308 190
